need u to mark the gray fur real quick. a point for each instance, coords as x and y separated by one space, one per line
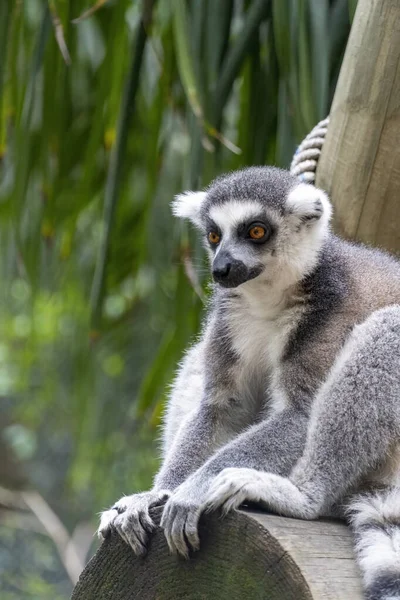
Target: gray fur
291 398
269 187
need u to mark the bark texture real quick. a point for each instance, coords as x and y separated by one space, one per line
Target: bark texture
249 555
360 162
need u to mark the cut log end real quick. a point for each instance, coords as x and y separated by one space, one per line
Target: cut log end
248 554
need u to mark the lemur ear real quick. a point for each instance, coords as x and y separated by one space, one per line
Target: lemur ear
188 206
309 204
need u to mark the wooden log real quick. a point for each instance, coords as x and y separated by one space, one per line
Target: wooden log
360 162
248 555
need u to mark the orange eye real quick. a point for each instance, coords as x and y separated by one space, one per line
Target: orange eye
257 232
213 237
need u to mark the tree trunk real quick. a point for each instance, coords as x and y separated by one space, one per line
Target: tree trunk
248 555
360 161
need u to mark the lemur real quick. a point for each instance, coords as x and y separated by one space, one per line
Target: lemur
291 396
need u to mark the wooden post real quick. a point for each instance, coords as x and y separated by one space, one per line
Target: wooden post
360 162
248 555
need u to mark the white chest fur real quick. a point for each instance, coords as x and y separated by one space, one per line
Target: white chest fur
260 330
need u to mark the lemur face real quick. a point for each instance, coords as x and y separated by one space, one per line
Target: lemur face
258 223
239 235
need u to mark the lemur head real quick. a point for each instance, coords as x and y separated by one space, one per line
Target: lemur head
258 223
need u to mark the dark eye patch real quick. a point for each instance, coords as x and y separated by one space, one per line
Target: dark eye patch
243 229
212 227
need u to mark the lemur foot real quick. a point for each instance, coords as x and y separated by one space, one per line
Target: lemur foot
233 486
131 519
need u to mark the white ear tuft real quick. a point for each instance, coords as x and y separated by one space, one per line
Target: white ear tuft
188 206
309 204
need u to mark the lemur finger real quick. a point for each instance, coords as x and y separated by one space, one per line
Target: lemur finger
215 499
191 529
167 523
106 523
177 535
160 499
221 490
132 535
233 502
121 533
146 521
138 547
167 514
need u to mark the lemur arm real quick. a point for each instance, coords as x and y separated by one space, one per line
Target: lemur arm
274 445
202 432
199 421
354 426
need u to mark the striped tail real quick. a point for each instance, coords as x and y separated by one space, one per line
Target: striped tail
375 519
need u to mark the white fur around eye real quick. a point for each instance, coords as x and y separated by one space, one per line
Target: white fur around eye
309 203
188 206
229 214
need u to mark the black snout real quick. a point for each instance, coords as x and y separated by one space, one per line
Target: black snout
229 272
222 270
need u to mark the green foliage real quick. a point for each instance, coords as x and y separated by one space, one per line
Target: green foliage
102 120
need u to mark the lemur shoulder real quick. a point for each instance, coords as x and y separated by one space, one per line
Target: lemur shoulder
291 397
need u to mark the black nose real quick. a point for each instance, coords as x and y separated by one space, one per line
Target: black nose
228 271
221 271
222 266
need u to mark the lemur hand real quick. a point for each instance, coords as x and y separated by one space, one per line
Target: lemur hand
181 517
130 517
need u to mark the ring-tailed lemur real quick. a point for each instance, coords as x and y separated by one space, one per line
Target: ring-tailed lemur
291 398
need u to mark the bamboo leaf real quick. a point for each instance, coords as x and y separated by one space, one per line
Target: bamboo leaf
338 31
25 145
90 11
235 56
285 139
308 110
103 129
157 374
319 36
5 19
184 58
281 17
219 19
116 161
59 32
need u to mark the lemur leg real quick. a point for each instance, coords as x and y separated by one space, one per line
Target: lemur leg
355 422
274 445
375 519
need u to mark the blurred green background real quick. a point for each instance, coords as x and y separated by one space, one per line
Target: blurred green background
107 110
